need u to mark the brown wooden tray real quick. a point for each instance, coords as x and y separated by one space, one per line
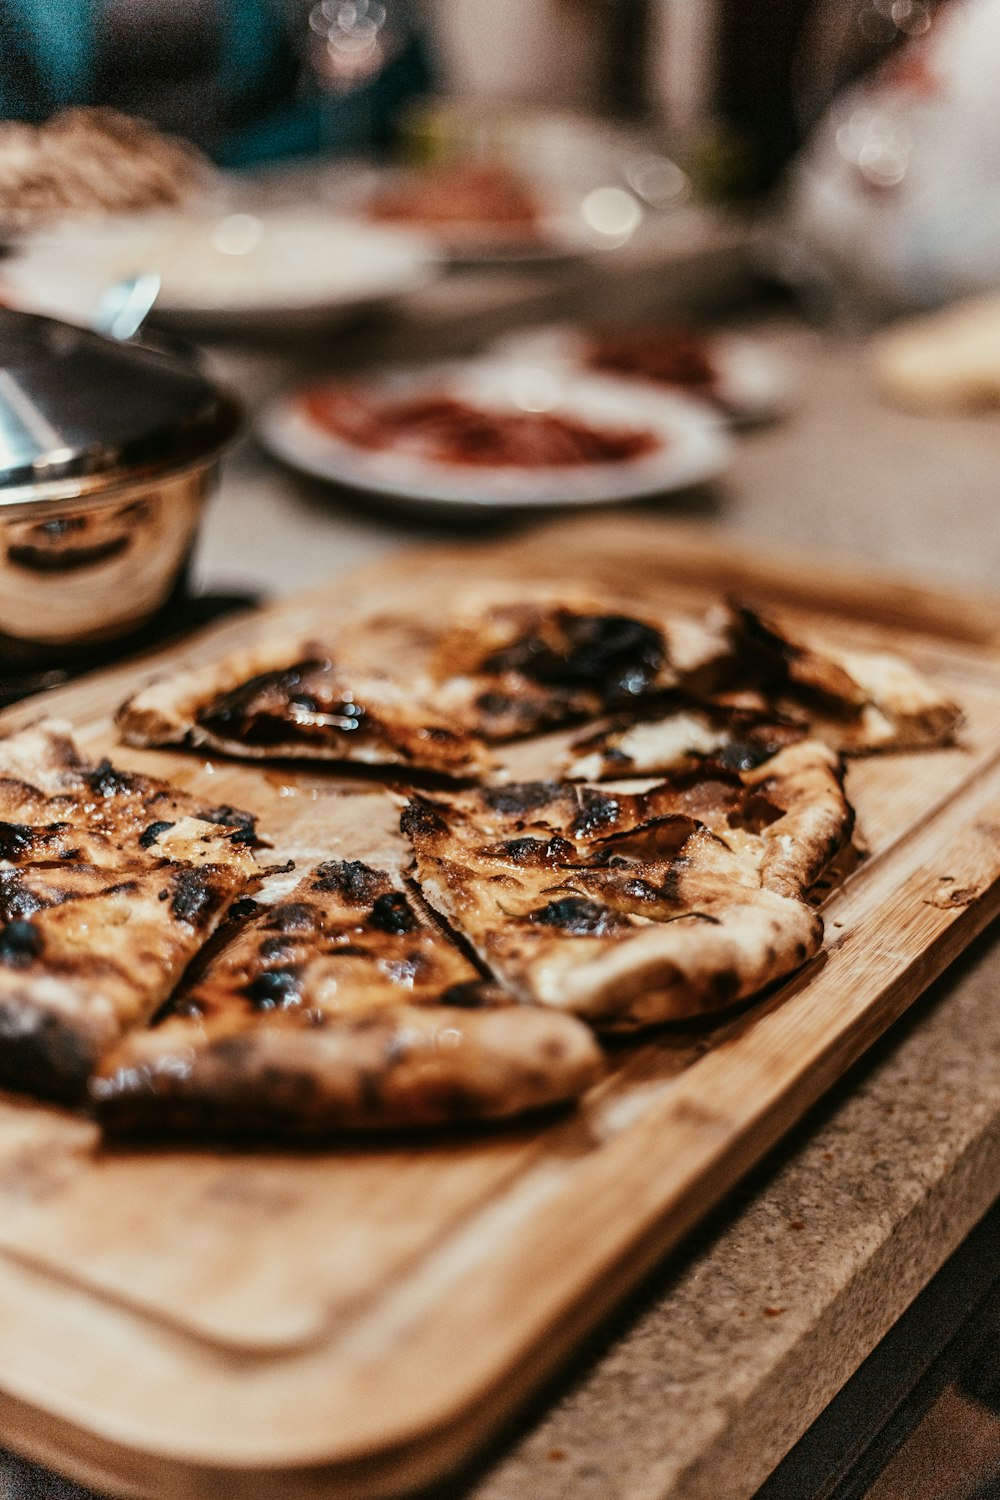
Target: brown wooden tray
194 1322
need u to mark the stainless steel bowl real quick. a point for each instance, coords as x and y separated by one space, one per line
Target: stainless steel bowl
108 452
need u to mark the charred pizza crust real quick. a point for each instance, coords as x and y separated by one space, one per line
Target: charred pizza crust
342 1007
110 882
631 908
510 668
857 701
684 734
777 686
495 671
293 700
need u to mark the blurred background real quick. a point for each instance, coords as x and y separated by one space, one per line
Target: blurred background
455 263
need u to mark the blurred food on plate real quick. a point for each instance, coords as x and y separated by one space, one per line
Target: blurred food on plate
670 356
469 192
739 375
447 430
472 435
92 162
277 268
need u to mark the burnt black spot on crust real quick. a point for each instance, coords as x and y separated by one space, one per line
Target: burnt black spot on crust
105 781
230 817
575 915
20 943
271 707
495 704
419 820
41 1054
747 754
16 900
476 994
291 916
598 811
243 910
724 986
274 947
640 890
529 851
350 878
392 912
149 835
274 990
615 654
192 900
16 840
521 797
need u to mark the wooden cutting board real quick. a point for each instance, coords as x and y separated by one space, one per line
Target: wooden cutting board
201 1322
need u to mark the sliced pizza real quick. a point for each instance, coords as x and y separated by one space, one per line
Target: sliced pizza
493 672
682 735
293 700
631 908
110 882
858 701
509 668
343 1006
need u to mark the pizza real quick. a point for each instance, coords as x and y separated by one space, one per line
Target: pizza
777 685
682 733
493 672
858 701
110 883
630 908
341 1006
510 668
293 699
353 1003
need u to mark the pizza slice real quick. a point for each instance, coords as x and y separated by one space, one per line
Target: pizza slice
631 908
342 1006
683 735
110 882
293 700
494 671
777 686
857 701
510 668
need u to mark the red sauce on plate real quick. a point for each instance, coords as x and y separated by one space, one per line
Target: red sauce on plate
669 356
446 430
459 193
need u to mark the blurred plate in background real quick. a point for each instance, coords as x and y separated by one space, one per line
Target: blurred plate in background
230 271
682 442
748 382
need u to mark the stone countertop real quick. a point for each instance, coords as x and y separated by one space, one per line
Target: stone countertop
727 1355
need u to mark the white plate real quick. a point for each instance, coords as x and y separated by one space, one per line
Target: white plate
237 271
754 383
695 444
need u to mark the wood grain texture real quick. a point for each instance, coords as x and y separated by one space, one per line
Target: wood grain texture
364 1316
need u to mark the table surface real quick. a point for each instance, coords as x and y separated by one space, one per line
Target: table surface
723 1360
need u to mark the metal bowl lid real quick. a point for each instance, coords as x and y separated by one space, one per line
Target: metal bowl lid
79 412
